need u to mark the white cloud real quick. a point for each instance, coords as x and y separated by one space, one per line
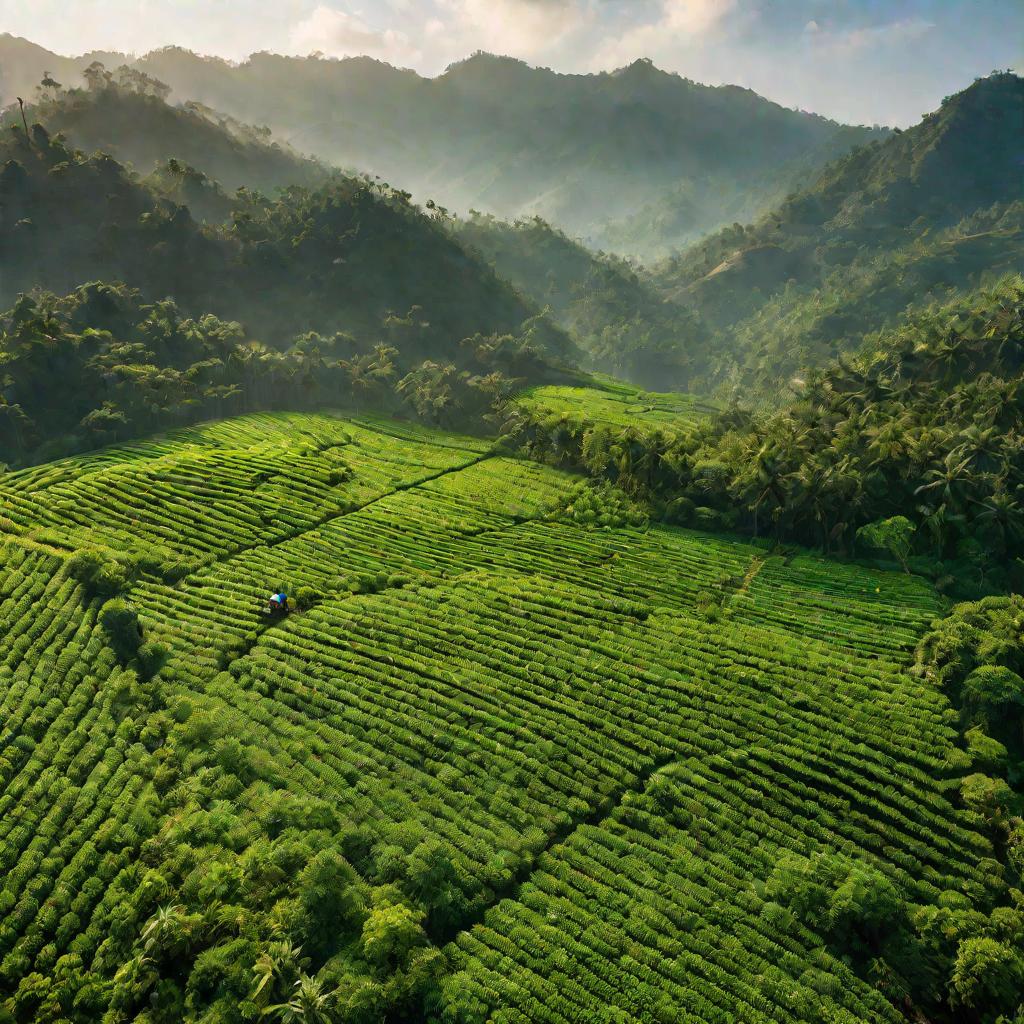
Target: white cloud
519 28
695 17
679 24
340 34
869 37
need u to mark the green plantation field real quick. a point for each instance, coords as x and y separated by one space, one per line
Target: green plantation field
612 403
501 766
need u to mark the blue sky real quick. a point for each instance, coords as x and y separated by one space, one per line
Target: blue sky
862 61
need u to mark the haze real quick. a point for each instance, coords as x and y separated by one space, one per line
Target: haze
854 60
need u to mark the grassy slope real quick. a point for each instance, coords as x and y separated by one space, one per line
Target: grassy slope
613 404
611 771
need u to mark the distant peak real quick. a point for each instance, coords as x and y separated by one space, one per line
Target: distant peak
484 59
642 66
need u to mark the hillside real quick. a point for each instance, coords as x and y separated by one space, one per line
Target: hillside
344 257
615 316
123 113
897 223
917 436
502 765
674 219
553 556
604 402
496 135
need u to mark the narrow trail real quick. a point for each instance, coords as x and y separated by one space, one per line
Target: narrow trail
756 565
514 887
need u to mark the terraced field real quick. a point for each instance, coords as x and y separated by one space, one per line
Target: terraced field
612 403
610 735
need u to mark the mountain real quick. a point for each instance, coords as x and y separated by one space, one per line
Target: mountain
23 64
899 222
613 313
675 217
342 257
583 151
124 114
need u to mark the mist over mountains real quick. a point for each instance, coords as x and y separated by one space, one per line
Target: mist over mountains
814 256
636 160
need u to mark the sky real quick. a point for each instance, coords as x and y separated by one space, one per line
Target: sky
859 61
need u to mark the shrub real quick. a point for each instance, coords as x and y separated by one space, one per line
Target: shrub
101 574
994 689
391 931
985 752
987 976
895 535
594 505
121 623
152 657
986 796
306 597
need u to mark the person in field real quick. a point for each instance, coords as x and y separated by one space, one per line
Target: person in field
278 603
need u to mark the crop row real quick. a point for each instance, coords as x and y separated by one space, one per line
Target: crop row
655 910
500 681
444 528
69 768
200 499
494 704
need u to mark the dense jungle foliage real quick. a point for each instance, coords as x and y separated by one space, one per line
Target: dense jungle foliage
340 257
924 424
102 365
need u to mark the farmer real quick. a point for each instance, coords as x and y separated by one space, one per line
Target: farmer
278 603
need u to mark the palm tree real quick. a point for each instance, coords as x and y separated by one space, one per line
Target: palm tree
830 490
48 83
951 480
888 441
24 121
164 929
936 519
1004 515
277 963
309 1003
980 444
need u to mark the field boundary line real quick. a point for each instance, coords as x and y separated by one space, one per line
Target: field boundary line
66 550
512 890
757 563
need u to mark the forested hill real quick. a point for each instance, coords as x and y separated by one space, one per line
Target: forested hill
343 257
497 135
615 315
123 112
916 440
896 223
181 299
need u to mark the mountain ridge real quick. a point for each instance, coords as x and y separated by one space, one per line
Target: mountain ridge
900 222
498 135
